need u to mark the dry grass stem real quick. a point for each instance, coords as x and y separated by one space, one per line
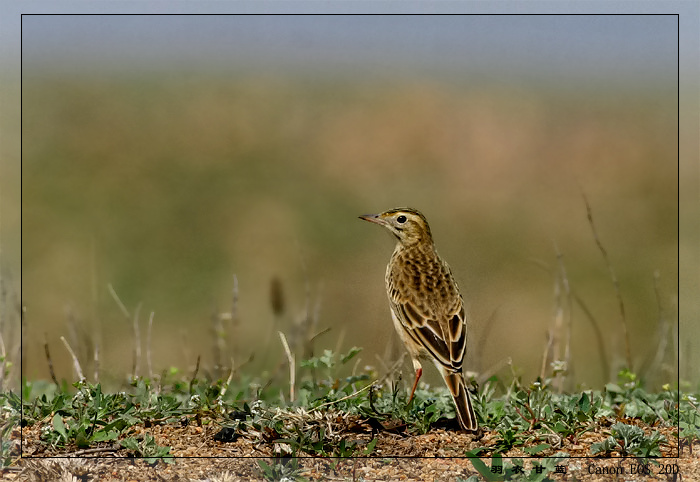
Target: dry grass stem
547 354
115 297
313 324
564 280
96 362
234 321
292 367
478 348
346 397
224 388
602 352
658 361
3 354
3 316
194 374
49 361
94 292
493 369
616 284
148 346
136 368
393 369
185 347
341 339
218 334
76 363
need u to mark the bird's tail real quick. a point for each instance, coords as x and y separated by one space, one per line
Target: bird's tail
463 402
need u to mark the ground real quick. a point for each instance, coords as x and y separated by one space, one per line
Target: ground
437 455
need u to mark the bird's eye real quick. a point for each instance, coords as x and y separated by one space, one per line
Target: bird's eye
401 219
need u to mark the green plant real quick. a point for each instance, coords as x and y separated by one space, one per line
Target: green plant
513 470
630 440
330 385
509 439
88 417
148 449
531 418
286 469
689 421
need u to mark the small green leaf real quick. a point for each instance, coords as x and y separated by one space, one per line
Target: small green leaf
60 427
81 439
105 435
613 388
607 445
537 449
351 354
484 470
130 443
370 446
584 403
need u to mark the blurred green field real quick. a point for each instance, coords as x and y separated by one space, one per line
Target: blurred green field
166 186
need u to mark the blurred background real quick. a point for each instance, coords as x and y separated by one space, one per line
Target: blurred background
162 156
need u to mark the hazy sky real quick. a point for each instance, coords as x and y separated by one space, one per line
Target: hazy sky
563 46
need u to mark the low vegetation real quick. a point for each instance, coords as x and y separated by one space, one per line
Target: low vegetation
336 416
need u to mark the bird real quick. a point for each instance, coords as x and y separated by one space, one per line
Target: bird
426 305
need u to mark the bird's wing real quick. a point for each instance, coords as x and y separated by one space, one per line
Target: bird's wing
442 334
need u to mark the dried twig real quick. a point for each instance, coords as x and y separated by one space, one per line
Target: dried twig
96 332
341 339
567 292
185 347
224 388
96 361
616 284
657 360
97 450
76 363
493 369
148 346
547 354
345 397
292 367
605 364
322 332
3 356
234 321
118 301
312 324
218 334
194 375
73 335
49 361
394 368
137 338
136 368
478 348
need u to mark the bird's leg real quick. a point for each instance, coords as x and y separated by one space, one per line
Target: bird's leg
419 372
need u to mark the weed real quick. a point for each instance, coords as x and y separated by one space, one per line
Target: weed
630 440
320 422
148 449
513 470
689 421
286 470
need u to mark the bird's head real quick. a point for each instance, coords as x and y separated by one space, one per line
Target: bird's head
408 225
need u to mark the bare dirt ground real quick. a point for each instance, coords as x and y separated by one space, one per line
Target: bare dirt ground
437 455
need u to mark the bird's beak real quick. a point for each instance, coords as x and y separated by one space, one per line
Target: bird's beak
373 218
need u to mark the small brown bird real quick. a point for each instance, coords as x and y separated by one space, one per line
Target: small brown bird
426 305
